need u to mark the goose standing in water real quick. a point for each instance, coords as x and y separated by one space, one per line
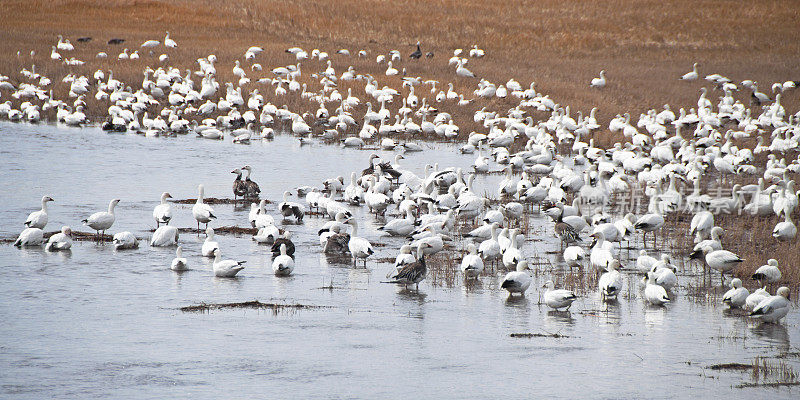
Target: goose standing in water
736 297
358 246
284 240
558 298
289 208
125 241
610 282
163 212
164 236
226 268
30 237
239 186
203 213
722 261
253 191
334 241
38 219
283 264
209 245
413 272
517 281
655 294
101 221
773 308
60 241
471 264
179 263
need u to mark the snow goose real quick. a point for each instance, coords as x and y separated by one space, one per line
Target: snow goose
209 245
599 82
335 241
664 274
691 76
179 263
701 225
38 219
400 226
471 264
283 264
650 222
512 254
169 42
517 281
30 237
266 235
756 297
162 213
262 219
125 241
768 273
714 243
376 202
490 249
644 263
164 236
61 240
284 239
600 256
462 71
413 272
404 257
736 296
358 246
655 294
610 282
225 268
558 298
786 230
203 213
291 209
722 261
574 256
773 308
100 221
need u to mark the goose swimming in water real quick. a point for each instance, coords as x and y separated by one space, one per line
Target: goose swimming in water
773 308
164 236
252 189
283 264
239 186
209 245
179 263
60 241
226 268
517 281
289 208
284 240
558 298
101 221
38 219
125 241
30 237
655 294
162 213
203 213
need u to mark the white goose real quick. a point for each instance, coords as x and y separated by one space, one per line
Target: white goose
30 237
162 213
283 265
209 245
61 240
358 246
691 76
773 308
599 82
471 264
179 263
100 221
262 219
125 241
610 282
400 226
768 273
517 281
736 297
289 208
490 249
226 268
558 298
655 294
786 230
755 298
203 213
38 219
164 236
722 261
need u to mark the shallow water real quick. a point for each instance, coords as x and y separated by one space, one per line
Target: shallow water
100 323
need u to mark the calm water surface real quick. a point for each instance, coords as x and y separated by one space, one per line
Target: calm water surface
98 323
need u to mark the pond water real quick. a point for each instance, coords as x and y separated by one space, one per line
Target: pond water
100 323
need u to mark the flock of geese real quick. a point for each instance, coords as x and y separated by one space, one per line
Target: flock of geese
559 169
